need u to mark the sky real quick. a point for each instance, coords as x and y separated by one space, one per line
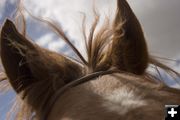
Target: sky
159 19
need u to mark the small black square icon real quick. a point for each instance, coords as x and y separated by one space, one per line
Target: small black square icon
172 112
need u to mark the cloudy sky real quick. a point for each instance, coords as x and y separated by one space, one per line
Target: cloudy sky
159 19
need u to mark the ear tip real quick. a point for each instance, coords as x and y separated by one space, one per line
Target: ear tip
8 22
8 26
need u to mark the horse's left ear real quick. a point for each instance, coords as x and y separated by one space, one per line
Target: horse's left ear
35 71
129 50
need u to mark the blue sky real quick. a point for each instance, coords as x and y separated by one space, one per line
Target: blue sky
159 19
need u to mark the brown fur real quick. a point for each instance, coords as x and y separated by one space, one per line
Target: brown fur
129 50
31 66
36 73
68 105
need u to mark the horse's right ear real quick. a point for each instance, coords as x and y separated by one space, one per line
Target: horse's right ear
129 50
33 70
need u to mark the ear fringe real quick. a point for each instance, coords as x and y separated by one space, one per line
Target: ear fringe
167 69
19 13
2 76
4 84
58 30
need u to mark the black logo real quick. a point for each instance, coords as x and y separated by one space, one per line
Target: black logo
172 112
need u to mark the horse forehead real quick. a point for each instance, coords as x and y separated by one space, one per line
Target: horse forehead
122 101
105 93
119 97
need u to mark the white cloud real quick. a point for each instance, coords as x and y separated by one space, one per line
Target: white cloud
44 40
2 5
67 13
56 45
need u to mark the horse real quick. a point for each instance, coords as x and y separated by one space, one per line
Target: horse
113 83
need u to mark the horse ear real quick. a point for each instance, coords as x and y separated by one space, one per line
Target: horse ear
31 69
11 57
129 50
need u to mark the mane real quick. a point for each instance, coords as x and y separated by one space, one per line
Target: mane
98 47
